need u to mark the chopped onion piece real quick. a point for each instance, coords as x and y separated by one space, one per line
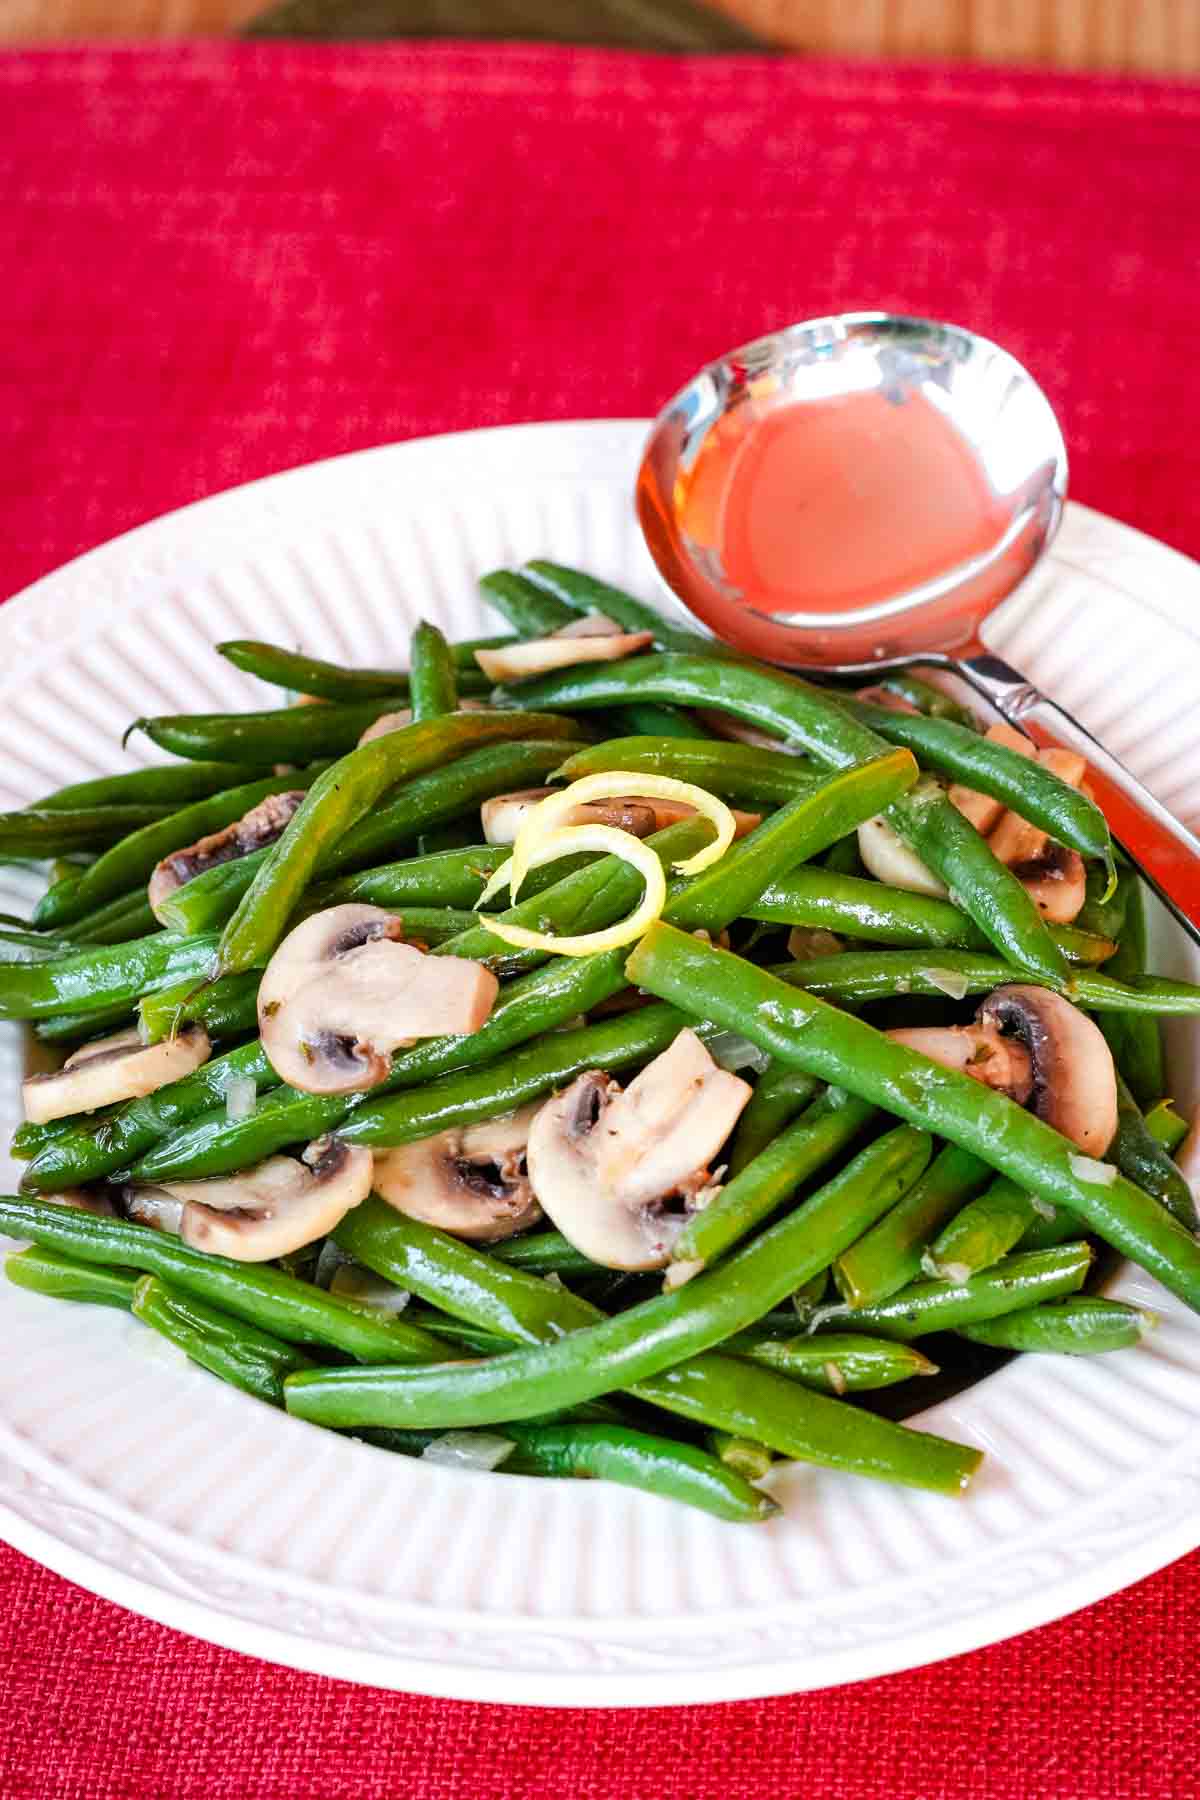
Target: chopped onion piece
349 1282
468 1450
1043 1208
549 814
567 842
1096 1174
946 981
241 1097
732 1052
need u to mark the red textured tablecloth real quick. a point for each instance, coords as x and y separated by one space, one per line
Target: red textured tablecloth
220 261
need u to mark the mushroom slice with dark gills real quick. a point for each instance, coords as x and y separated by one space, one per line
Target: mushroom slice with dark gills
268 1211
619 1171
472 1183
343 991
254 831
1043 1052
120 1067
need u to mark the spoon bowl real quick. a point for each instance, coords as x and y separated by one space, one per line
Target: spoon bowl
852 489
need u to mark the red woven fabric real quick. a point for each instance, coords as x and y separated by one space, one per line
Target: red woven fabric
220 261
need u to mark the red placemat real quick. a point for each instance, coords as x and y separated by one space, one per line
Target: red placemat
219 261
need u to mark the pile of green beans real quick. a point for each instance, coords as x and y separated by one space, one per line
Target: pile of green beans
867 1198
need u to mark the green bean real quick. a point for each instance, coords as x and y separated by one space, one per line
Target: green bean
635 1459
888 1257
240 1354
984 1231
119 922
445 878
337 801
72 1027
88 1149
581 593
432 682
162 784
1165 1126
531 613
52 832
861 975
544 1253
854 907
649 719
1049 1227
842 858
261 1296
650 1337
1136 1044
837 1047
828 1126
1138 1154
923 816
284 734
1009 1286
227 1007
925 697
738 772
845 1364
330 681
1025 785
94 981
135 858
779 1095
743 1455
1079 1327
45 1272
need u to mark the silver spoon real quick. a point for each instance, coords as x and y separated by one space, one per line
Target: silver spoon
858 492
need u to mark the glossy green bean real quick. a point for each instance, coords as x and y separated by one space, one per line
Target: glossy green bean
927 1306
581 593
1165 1125
780 1094
74 1027
330 681
1079 1327
1138 1153
544 1253
925 696
443 878
880 974
854 907
1025 785
161 784
738 772
45 1272
635 1459
531 612
433 679
54 832
118 922
648 718
253 1292
802 715
985 1230
135 858
848 1363
284 734
1136 1045
649 1338
337 801
827 1127
240 1354
888 1256
834 1045
749 1459
227 1007
94 981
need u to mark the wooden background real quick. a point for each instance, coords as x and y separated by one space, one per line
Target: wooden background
1148 35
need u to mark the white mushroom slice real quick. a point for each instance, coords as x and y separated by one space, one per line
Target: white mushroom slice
471 1183
736 731
889 859
979 1051
1053 876
1074 1081
114 1068
618 1171
983 812
589 624
270 1210
503 816
261 826
538 656
89 1200
343 991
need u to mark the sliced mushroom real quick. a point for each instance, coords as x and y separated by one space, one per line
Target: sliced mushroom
1036 1047
269 1211
1074 1081
883 696
983 812
593 638
808 941
619 1172
1054 876
343 991
257 828
114 1068
471 1183
89 1200
889 859
503 816
736 731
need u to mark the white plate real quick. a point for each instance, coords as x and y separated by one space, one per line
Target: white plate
149 1482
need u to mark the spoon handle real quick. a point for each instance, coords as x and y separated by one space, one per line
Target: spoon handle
1165 852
